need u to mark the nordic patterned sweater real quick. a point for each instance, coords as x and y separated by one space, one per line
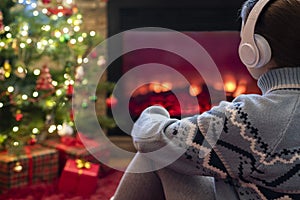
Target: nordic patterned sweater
251 146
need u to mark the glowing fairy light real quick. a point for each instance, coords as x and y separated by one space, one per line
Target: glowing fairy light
76 28
9 35
1 105
59 127
29 41
73 41
65 30
54 83
21 1
52 128
35 94
15 129
69 21
85 60
60 14
92 33
80 39
10 89
20 70
22 45
24 97
58 92
44 11
36 72
2 44
33 5
35 13
46 28
7 28
71 82
35 130
57 33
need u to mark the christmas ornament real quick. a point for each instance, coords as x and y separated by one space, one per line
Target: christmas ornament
7 68
44 81
18 167
19 116
66 130
1 23
2 72
79 73
84 104
32 140
20 70
111 101
70 90
80 164
93 98
46 1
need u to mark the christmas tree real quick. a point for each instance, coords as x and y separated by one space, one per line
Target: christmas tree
42 51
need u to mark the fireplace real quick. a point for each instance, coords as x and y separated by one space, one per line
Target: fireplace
213 24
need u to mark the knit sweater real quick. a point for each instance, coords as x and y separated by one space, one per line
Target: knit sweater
251 146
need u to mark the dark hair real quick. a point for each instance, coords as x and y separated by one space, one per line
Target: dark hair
279 23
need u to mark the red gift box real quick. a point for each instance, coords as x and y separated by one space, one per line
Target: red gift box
79 177
72 148
36 164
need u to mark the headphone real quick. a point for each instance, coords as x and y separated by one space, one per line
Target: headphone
254 49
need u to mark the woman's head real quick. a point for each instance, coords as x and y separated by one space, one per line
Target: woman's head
279 24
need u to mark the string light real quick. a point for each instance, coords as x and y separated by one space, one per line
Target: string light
10 89
35 13
80 39
2 44
7 28
36 72
1 105
45 11
16 143
15 129
54 83
24 97
52 128
35 131
92 33
59 127
73 41
33 5
46 28
9 35
85 60
76 28
35 94
22 45
29 41
58 92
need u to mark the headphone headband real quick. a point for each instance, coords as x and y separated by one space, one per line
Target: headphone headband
249 51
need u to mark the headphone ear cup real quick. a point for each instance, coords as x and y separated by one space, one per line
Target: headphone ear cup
264 49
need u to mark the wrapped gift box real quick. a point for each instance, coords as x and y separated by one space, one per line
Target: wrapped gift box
79 177
72 148
35 164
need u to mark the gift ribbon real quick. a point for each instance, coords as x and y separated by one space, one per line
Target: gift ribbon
30 164
81 164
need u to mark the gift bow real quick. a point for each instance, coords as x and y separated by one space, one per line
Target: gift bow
82 164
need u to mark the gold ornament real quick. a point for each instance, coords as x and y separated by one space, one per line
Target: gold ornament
18 167
7 68
82 164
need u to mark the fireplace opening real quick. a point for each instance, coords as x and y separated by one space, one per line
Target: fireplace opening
213 24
